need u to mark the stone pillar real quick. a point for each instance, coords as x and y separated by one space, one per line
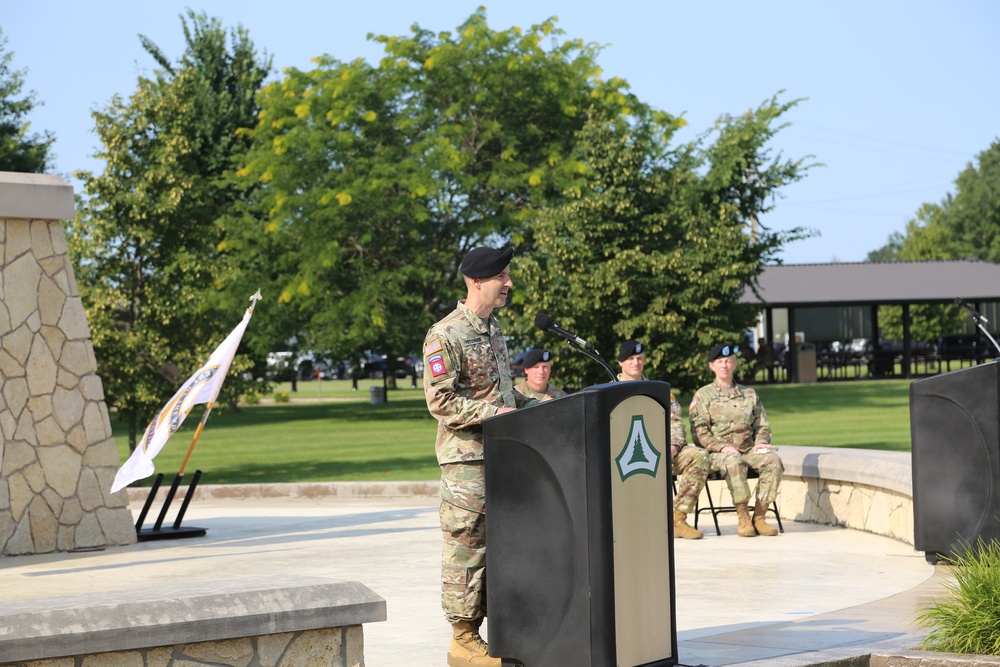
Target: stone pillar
57 457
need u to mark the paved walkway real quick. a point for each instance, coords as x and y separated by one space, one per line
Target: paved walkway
814 593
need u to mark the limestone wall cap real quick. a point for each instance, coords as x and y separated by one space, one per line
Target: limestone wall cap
35 197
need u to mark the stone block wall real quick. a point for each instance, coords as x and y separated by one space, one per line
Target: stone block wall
330 647
57 457
857 506
862 489
270 620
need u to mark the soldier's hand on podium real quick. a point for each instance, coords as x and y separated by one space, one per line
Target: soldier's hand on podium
501 411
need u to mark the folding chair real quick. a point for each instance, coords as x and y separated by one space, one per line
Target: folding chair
716 511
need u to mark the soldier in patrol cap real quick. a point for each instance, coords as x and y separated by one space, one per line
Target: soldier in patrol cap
729 421
466 381
690 464
537 371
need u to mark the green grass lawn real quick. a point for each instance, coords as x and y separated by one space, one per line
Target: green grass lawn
870 414
330 433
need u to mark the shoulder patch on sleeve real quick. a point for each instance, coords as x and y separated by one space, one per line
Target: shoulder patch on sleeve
437 365
432 347
694 402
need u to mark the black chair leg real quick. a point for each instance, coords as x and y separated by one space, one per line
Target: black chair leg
711 508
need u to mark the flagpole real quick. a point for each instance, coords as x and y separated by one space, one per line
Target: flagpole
194 440
208 406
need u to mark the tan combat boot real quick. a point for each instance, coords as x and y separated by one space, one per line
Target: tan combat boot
745 528
759 514
468 648
683 530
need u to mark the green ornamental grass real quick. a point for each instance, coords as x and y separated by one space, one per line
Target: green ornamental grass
966 618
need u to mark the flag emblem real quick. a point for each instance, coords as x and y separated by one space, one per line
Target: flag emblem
638 454
436 363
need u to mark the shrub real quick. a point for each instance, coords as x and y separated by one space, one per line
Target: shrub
251 399
967 618
281 397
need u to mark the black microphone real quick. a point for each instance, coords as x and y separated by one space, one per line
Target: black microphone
960 301
545 323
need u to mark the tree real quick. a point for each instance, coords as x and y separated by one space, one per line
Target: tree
963 225
375 180
974 213
19 150
146 239
656 245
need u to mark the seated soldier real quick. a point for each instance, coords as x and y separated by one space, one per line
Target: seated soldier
729 421
537 371
690 464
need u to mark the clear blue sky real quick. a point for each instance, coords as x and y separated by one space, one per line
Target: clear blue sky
900 95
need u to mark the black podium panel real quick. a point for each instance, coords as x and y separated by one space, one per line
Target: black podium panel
955 444
551 535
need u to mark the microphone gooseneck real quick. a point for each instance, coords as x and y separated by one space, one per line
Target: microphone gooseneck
545 323
979 320
964 304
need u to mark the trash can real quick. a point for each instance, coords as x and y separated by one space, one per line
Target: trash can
377 395
805 363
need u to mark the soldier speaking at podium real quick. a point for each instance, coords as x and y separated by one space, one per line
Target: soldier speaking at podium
466 381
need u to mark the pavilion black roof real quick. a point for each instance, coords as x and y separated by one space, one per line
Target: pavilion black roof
876 283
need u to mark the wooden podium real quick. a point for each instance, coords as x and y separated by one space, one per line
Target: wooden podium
579 525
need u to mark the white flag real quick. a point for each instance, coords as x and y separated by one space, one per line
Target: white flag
202 387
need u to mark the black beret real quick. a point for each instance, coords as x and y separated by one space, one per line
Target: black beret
630 348
485 262
723 350
536 355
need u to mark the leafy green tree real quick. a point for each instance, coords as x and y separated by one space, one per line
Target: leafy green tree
375 180
146 240
974 213
963 225
890 251
657 245
19 150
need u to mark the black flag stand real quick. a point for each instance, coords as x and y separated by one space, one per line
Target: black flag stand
158 532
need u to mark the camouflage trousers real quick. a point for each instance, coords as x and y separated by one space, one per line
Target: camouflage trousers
463 529
734 466
691 467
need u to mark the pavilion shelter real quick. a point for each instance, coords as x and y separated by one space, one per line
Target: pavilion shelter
823 301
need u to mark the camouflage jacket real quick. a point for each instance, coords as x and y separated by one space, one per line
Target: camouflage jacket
550 392
677 434
466 379
722 416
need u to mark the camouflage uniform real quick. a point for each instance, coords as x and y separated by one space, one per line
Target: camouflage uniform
722 416
690 464
550 392
466 379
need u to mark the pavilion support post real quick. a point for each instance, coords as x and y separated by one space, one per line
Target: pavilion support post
907 354
793 347
769 322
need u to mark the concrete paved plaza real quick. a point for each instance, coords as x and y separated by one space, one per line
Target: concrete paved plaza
814 592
